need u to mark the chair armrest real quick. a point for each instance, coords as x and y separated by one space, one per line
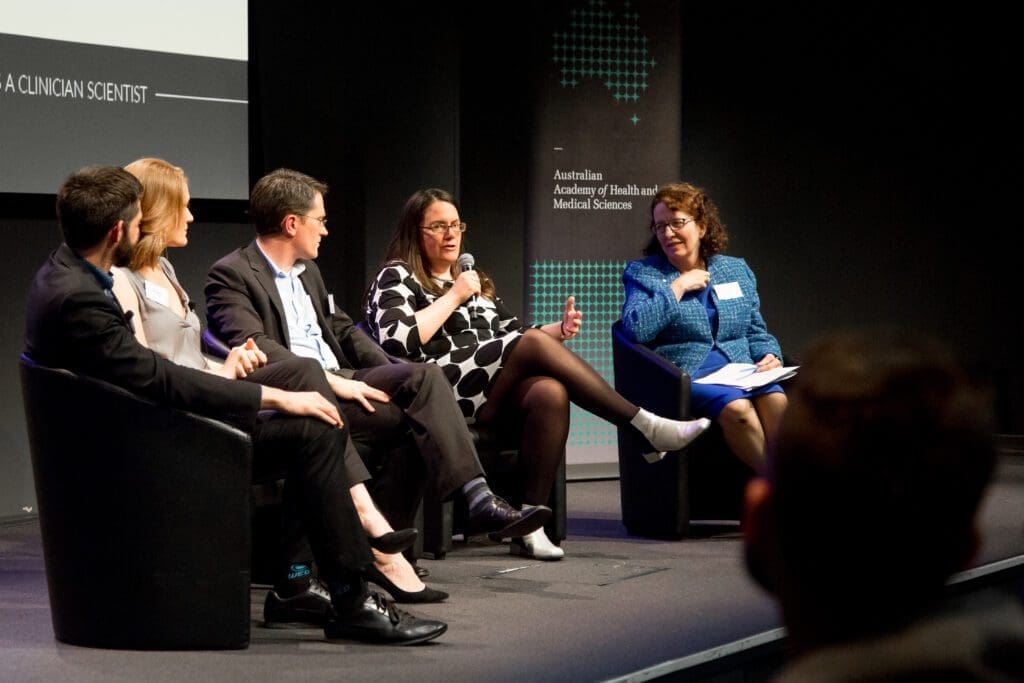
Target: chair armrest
213 346
648 379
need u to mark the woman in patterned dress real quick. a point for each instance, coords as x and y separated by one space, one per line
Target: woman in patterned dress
423 306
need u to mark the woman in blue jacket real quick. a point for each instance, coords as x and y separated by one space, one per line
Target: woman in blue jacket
700 309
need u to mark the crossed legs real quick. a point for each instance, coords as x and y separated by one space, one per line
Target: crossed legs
539 416
536 354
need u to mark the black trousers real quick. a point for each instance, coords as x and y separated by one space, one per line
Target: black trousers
319 464
433 443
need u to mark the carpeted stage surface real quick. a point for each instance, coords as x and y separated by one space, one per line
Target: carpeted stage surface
615 607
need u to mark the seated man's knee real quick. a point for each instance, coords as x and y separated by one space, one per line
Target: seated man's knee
305 371
432 371
385 423
426 374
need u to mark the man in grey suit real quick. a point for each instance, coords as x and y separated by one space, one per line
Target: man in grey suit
272 291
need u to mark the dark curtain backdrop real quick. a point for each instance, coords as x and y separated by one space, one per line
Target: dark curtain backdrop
864 156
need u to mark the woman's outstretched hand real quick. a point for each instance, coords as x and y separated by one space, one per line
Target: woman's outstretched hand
572 319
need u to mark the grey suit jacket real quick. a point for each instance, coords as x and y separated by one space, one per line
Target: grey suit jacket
242 301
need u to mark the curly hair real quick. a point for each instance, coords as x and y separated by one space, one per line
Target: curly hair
696 202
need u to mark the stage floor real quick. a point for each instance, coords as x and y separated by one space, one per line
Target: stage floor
616 607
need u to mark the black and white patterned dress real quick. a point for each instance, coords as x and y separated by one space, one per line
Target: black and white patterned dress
471 346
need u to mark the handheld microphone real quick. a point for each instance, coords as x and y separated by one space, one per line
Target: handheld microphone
466 262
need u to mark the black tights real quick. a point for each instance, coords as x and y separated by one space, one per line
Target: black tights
536 383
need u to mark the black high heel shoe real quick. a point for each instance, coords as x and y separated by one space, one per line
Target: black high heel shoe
428 594
394 541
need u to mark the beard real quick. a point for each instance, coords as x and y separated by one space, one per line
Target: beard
123 251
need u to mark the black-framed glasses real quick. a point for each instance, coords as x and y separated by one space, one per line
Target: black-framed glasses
676 224
323 221
440 227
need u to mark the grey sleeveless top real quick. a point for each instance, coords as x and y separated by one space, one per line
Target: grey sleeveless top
173 337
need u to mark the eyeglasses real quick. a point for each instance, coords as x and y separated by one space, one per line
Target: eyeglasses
676 224
323 221
440 227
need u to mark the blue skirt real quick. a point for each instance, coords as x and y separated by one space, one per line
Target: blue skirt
708 400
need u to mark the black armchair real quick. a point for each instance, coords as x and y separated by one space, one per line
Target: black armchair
144 514
704 481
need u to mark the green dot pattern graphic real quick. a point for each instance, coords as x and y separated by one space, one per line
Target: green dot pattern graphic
598 44
597 287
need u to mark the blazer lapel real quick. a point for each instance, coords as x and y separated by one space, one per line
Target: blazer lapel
265 277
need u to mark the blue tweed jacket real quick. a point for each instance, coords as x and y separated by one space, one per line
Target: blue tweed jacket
680 330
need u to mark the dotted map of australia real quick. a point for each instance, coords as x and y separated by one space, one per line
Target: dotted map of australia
599 44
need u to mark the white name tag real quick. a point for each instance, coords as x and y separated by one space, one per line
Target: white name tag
728 290
330 304
155 292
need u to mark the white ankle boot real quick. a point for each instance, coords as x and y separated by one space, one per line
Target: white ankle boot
668 435
536 545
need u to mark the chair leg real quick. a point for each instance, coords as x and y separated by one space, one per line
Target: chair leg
438 523
557 528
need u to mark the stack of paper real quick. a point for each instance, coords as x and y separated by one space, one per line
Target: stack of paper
746 377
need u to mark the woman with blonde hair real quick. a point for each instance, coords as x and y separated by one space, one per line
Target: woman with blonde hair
165 322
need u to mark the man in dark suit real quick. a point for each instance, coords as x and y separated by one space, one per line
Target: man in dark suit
272 291
74 321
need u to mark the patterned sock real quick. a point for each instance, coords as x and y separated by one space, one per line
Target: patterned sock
347 590
299 576
477 492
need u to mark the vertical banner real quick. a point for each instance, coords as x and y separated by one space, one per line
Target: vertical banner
605 136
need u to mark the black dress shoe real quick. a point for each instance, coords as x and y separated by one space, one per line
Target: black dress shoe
501 519
376 620
394 541
311 607
426 594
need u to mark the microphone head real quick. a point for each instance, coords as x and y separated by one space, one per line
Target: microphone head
466 262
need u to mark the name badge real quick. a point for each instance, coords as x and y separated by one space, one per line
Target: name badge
330 304
155 292
728 290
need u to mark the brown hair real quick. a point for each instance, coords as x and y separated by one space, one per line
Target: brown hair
91 201
405 243
280 193
884 453
696 202
163 207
